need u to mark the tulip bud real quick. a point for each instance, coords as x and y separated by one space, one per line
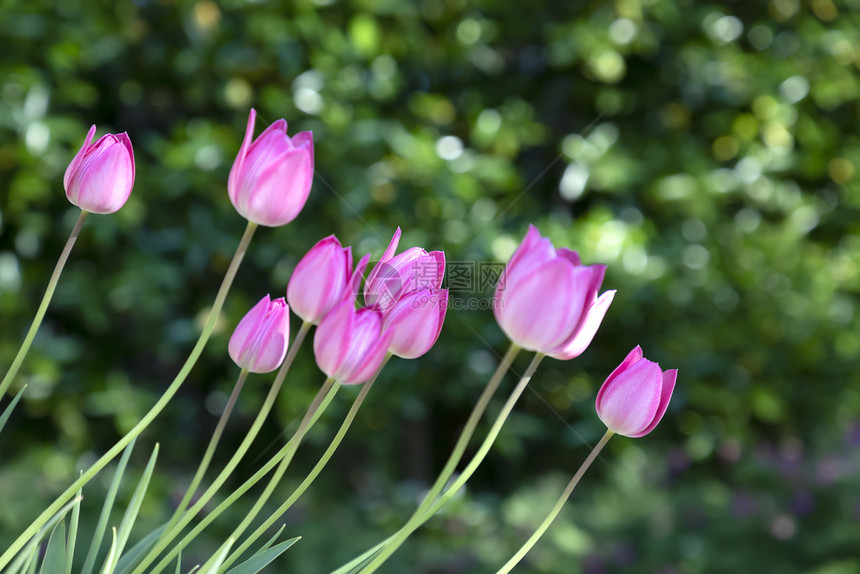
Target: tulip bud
271 178
350 345
100 177
259 343
322 279
416 321
395 276
634 397
546 300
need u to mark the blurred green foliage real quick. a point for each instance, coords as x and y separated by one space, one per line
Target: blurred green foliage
708 152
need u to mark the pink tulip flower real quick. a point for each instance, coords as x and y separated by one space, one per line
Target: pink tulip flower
100 177
634 397
271 178
350 345
416 321
322 279
394 276
546 299
259 343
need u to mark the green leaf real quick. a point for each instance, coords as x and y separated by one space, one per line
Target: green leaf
130 558
73 533
131 511
263 558
271 541
25 557
111 552
99 533
55 554
179 563
30 564
213 564
7 412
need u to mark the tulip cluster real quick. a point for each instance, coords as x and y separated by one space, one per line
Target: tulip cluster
547 301
404 311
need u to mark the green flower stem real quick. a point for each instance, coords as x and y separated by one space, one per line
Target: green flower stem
168 535
275 516
43 306
210 450
211 516
328 387
419 519
70 492
456 454
509 565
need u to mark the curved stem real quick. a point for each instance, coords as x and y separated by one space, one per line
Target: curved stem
214 313
418 520
509 565
328 388
456 454
43 306
168 535
234 496
210 450
344 427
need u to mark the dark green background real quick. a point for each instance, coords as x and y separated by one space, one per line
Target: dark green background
707 152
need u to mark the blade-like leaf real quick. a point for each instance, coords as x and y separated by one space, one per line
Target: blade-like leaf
73 533
179 563
271 541
30 564
213 564
111 552
131 511
129 559
99 533
24 558
55 554
264 558
7 412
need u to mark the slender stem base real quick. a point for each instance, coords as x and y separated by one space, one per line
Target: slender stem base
210 450
233 497
509 565
162 402
419 519
456 454
43 306
344 427
329 387
168 535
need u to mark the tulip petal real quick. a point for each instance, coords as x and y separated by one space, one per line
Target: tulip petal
416 321
358 275
304 141
633 356
372 360
76 161
104 179
238 165
270 347
389 253
628 403
279 191
333 337
587 329
570 255
532 253
540 311
320 279
243 335
669 378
